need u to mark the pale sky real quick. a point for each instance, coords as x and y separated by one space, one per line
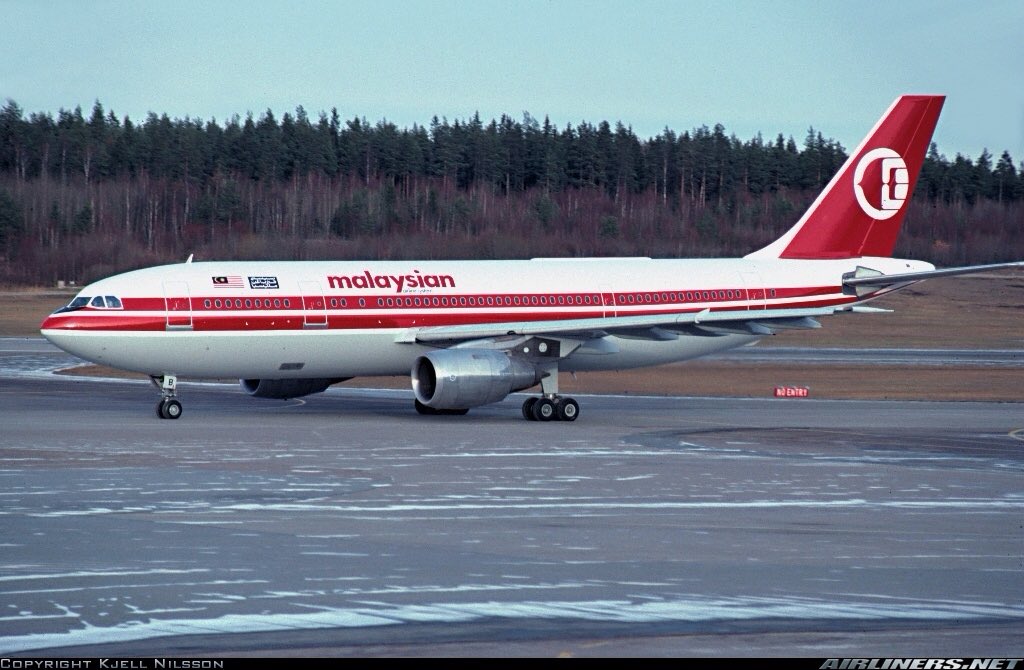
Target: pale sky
752 66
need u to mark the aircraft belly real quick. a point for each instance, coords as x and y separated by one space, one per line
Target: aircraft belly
296 354
288 354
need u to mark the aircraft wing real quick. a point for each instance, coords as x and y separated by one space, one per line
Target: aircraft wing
658 327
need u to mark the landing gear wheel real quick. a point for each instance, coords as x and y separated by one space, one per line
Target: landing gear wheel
568 409
528 408
544 410
169 408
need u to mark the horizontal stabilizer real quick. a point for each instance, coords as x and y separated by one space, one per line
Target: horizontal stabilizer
868 277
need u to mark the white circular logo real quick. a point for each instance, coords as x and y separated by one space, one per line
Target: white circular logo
893 188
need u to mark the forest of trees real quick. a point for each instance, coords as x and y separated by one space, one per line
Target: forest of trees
85 196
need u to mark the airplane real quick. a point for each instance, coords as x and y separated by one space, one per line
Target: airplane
469 333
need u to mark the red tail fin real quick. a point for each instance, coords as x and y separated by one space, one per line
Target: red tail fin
860 211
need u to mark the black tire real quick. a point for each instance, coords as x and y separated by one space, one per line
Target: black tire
170 408
544 410
160 408
568 410
528 408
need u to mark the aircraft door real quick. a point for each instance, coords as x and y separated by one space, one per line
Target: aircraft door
608 298
314 306
755 289
178 302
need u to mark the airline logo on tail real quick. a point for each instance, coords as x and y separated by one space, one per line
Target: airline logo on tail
895 183
872 187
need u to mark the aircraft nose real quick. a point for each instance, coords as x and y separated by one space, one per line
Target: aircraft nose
55 322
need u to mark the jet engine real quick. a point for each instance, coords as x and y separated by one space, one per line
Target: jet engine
463 378
284 389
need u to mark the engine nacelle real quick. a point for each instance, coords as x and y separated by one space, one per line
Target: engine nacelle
284 389
463 378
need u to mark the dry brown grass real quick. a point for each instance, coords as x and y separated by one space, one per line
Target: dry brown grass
978 312
22 310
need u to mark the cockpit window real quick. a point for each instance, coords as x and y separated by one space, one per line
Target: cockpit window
106 302
77 303
96 302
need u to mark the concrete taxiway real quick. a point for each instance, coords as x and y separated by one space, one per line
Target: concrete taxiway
346 524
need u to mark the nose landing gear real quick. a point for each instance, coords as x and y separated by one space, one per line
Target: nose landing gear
169 407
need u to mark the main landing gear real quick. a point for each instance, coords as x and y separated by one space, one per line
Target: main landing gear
547 408
169 406
550 406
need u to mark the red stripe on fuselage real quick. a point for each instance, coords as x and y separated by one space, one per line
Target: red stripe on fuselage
239 313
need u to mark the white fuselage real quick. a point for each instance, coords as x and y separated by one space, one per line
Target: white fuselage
346 319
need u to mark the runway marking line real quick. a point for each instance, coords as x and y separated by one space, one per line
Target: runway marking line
1017 434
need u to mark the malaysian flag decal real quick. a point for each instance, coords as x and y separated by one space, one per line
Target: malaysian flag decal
233 281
